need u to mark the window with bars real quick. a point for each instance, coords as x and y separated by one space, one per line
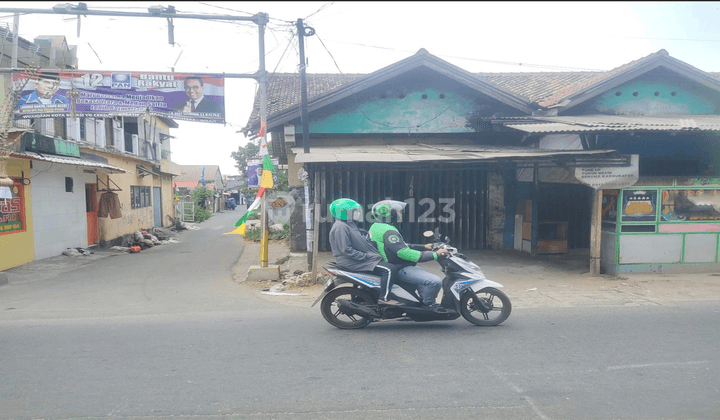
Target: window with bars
140 197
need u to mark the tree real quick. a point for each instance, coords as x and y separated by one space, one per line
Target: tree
12 97
200 195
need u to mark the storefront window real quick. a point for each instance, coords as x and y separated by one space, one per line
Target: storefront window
697 205
639 205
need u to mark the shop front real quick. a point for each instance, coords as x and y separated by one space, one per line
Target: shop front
662 226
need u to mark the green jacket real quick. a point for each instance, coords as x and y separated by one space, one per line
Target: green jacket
393 248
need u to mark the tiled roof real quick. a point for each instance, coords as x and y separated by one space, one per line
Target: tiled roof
537 86
192 173
544 89
283 90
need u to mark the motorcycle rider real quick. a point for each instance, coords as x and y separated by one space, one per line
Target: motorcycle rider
394 250
355 253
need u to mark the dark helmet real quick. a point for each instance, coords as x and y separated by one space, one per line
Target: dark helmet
388 211
343 208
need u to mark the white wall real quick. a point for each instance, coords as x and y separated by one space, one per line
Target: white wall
59 217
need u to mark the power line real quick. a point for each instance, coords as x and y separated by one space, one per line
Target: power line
238 11
475 59
324 6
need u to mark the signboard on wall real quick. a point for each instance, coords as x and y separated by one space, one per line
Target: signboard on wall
610 177
12 209
101 94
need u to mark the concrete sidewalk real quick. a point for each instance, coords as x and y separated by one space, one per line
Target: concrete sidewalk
546 281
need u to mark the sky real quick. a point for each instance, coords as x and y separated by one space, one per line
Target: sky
362 37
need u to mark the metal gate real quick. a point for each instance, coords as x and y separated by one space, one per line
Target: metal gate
185 211
453 200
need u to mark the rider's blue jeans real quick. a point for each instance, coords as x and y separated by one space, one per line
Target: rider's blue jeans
428 285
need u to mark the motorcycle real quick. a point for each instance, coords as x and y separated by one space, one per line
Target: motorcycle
350 299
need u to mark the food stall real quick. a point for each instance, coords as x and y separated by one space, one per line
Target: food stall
662 225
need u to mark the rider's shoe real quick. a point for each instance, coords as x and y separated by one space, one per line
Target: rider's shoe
388 302
437 308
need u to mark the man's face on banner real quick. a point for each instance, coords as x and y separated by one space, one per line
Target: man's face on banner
194 89
46 88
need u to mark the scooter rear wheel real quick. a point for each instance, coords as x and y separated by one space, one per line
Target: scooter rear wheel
332 314
492 308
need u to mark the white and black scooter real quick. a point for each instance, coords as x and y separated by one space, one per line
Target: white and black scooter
350 300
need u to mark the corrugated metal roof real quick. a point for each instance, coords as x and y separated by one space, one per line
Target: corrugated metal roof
192 173
618 123
67 160
419 152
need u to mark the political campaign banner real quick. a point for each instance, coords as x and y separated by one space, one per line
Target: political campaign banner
255 170
101 94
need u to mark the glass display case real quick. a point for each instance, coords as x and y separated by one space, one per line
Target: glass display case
652 227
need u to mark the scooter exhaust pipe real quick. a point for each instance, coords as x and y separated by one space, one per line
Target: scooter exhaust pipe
350 308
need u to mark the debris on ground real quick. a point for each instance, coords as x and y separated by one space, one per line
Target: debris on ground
76 252
121 248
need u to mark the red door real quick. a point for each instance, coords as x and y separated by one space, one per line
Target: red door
92 217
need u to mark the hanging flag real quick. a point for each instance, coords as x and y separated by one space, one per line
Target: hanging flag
262 129
240 230
267 175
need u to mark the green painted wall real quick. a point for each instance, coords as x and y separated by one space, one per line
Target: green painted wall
422 111
656 98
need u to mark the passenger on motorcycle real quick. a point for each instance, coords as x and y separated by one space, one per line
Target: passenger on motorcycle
353 252
394 250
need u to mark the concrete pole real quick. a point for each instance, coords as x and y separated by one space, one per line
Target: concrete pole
16 29
595 232
264 250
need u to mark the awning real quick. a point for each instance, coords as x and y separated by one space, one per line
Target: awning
69 160
143 171
617 123
457 152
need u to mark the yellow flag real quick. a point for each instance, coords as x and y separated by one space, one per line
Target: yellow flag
267 180
240 230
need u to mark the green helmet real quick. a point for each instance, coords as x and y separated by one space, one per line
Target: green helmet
341 207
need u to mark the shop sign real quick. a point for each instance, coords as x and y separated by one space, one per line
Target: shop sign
610 177
12 209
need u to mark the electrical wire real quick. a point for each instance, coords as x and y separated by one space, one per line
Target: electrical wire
474 59
324 6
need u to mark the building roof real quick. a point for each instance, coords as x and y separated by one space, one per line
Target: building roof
456 152
618 123
192 173
541 89
69 160
284 89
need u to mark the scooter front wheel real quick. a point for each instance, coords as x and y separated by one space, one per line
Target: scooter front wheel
490 308
333 314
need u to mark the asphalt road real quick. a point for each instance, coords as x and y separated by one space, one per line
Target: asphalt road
168 334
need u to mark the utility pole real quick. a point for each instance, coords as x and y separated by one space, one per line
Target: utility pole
264 246
304 31
301 28
16 30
